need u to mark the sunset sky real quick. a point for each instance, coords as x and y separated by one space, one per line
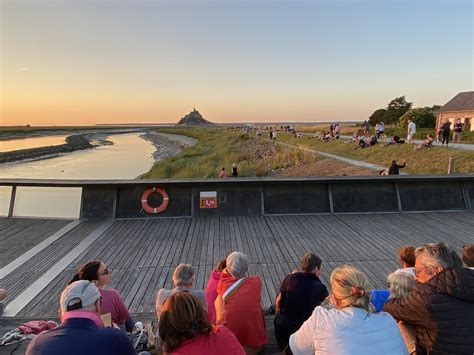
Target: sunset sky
76 62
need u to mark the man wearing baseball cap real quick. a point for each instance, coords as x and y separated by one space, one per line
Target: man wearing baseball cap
82 330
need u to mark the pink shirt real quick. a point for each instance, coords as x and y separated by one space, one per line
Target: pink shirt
220 341
112 303
211 294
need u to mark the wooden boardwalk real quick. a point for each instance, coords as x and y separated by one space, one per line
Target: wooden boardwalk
143 253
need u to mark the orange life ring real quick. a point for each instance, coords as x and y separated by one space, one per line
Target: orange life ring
147 207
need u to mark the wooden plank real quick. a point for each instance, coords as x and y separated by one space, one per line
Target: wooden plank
144 253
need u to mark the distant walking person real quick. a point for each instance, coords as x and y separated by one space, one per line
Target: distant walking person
223 173
411 131
446 131
458 126
235 173
274 136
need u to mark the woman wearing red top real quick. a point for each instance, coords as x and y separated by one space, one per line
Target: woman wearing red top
211 289
185 329
238 304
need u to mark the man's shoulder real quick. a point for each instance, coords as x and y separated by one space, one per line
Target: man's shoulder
303 279
201 294
64 336
162 295
253 280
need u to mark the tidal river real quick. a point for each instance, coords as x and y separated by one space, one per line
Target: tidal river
129 157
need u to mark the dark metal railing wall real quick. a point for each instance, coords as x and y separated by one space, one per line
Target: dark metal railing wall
103 199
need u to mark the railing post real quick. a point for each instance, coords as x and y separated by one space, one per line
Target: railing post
399 200
12 202
451 166
331 203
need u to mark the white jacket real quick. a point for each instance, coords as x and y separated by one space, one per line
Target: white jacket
348 331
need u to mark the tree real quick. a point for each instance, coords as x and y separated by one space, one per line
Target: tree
396 109
377 117
423 117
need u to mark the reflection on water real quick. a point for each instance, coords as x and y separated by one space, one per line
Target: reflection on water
5 193
16 144
129 157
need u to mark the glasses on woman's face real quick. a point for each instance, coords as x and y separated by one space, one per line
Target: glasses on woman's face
107 271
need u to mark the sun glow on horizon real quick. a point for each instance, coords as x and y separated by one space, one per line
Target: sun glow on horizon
97 62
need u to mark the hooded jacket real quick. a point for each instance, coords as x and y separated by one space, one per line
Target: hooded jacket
211 294
442 310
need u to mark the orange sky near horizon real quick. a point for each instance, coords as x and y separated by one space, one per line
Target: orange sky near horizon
146 61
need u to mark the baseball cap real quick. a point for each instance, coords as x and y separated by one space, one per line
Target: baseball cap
78 295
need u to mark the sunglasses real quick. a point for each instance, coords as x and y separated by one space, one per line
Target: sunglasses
107 271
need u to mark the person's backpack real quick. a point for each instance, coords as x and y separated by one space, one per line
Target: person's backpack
139 339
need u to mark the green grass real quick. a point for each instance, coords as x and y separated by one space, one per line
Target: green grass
426 161
218 147
203 160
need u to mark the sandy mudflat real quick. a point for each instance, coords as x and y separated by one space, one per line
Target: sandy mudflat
167 144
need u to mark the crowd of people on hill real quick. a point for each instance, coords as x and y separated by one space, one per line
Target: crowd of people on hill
365 139
427 308
334 132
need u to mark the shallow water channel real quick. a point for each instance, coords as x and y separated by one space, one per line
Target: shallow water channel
129 157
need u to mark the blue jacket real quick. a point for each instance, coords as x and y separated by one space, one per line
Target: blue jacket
80 336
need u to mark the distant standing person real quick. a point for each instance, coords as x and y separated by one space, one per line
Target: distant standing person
377 130
382 128
411 131
446 131
223 173
274 136
235 173
271 134
458 126
337 131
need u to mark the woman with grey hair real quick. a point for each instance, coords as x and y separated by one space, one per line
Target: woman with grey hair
183 279
401 283
238 304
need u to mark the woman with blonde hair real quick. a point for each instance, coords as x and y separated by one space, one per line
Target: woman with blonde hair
185 329
401 283
347 325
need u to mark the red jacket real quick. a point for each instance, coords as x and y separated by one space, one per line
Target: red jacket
243 311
